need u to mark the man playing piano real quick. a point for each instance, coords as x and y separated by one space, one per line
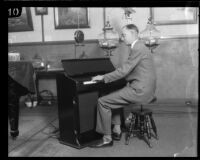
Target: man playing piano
140 74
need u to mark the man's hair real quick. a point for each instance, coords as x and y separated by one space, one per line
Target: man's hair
131 27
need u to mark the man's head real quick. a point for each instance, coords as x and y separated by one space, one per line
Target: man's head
129 33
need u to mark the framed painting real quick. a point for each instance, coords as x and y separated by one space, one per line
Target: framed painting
69 18
173 15
21 23
41 11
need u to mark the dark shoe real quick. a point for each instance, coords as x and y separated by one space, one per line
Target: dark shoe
55 130
55 135
116 136
101 143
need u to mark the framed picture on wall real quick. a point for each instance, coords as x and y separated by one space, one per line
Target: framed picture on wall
174 15
69 18
22 23
41 11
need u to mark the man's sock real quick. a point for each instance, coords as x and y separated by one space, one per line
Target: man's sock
107 138
117 129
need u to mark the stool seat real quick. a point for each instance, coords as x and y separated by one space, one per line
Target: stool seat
144 111
141 123
143 103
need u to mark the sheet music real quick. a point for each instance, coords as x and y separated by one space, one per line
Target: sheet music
89 82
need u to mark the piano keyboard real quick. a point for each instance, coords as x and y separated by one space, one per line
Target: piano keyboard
89 82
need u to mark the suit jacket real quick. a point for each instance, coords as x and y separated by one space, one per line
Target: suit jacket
138 70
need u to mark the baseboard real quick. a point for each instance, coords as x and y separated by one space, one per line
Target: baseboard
177 101
170 106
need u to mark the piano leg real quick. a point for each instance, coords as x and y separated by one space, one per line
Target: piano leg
13 114
15 91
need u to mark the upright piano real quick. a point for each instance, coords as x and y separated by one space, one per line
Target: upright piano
77 99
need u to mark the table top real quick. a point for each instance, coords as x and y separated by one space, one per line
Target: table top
23 73
51 72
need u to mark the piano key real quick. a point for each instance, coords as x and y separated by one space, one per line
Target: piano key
89 82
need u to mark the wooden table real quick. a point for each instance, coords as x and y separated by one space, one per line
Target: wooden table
45 74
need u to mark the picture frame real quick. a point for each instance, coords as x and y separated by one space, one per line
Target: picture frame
173 15
21 23
41 10
71 18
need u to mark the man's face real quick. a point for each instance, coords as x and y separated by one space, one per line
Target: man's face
129 36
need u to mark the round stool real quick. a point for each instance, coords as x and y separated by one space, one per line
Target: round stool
141 123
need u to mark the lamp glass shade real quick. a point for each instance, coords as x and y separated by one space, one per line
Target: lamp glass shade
150 34
108 39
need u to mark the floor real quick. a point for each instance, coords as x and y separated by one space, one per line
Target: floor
176 125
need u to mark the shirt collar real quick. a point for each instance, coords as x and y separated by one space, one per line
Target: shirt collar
132 45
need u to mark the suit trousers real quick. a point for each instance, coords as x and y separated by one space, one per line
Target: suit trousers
108 107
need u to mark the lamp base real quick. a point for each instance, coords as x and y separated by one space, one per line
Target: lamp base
152 46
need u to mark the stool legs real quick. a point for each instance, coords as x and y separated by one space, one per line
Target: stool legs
144 129
145 138
153 126
130 129
148 127
141 125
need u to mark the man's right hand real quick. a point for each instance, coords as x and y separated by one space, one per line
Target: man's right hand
98 78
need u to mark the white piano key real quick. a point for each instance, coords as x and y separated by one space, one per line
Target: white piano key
89 82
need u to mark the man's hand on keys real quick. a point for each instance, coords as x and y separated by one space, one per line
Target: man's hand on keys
98 78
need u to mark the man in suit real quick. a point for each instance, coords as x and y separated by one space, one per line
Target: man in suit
139 72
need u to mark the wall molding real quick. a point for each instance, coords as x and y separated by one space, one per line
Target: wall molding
179 37
89 41
50 43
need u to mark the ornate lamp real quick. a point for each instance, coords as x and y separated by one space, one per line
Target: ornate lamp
150 35
108 39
